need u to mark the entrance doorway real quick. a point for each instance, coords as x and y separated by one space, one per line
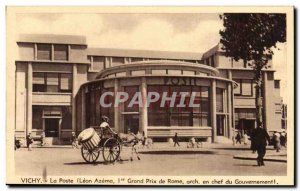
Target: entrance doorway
51 127
220 125
131 122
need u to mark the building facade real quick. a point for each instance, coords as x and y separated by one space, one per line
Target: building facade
59 82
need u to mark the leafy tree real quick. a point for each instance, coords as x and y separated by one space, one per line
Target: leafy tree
251 37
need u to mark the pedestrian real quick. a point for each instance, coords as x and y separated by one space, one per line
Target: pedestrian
74 140
144 139
238 138
252 145
245 139
260 138
282 139
43 141
29 141
277 145
176 140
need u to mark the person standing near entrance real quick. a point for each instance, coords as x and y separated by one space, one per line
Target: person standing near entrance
176 140
238 138
29 141
260 138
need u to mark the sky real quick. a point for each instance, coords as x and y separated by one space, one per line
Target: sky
188 32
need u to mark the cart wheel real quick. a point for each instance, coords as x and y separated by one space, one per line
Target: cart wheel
111 150
90 156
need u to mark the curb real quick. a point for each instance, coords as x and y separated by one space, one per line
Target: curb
265 159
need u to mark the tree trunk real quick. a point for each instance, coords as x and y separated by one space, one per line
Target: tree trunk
259 98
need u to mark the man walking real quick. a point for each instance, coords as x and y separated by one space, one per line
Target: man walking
260 142
176 140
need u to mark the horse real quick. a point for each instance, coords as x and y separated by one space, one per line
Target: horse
130 140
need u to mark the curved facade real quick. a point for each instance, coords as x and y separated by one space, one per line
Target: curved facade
213 94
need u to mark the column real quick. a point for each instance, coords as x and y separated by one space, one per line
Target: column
74 91
29 98
230 105
83 109
213 111
117 109
144 110
265 95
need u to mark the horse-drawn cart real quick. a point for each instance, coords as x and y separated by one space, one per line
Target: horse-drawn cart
94 142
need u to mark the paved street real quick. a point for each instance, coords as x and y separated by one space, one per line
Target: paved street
165 160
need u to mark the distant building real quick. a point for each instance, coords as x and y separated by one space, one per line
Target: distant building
59 81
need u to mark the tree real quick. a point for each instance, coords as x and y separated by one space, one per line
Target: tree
251 37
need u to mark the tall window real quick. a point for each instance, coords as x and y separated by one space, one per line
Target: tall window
44 52
219 100
60 52
51 82
131 90
37 117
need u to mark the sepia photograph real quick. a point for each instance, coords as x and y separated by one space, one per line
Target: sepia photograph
189 96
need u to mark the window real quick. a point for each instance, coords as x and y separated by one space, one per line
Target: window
131 90
180 116
51 82
116 61
44 52
219 100
38 82
60 52
276 84
212 61
247 88
98 63
65 82
136 59
37 117
244 88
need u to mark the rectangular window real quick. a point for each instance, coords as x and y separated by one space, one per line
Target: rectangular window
219 100
51 82
37 117
65 82
98 63
131 90
247 89
244 88
136 59
60 52
38 82
116 61
44 52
